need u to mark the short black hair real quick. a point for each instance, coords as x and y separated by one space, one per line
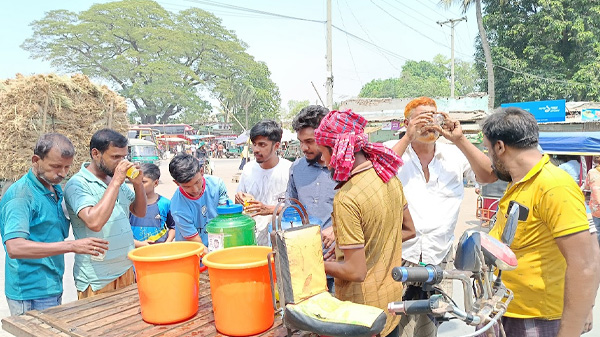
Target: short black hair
150 170
514 126
103 139
49 140
184 167
309 116
266 128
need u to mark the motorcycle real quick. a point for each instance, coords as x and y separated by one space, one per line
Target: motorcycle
478 257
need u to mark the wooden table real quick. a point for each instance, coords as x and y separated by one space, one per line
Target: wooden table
118 314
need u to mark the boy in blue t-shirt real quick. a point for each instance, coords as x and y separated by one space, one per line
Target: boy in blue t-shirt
158 224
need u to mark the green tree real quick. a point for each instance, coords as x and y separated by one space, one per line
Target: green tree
551 47
193 117
483 41
159 61
294 107
424 78
251 87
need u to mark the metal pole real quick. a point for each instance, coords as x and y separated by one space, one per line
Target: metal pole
320 99
452 22
329 81
451 61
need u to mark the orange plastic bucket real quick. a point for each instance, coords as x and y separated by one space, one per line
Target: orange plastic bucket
167 279
241 290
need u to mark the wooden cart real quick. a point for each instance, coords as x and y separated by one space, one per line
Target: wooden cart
118 314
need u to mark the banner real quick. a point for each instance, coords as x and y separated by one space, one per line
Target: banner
590 115
544 111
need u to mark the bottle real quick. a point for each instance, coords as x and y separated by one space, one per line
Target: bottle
132 172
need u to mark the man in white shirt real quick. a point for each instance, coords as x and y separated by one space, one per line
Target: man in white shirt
264 180
432 178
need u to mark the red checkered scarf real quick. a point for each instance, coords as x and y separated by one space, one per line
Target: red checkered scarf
343 131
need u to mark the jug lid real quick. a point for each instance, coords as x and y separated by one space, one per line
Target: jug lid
229 208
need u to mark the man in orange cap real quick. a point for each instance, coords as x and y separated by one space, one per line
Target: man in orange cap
432 178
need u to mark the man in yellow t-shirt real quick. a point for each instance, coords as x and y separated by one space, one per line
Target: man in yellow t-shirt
370 217
557 276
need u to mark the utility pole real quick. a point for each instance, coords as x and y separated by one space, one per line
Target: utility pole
329 81
452 23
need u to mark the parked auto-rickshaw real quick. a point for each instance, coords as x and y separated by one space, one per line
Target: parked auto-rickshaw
142 151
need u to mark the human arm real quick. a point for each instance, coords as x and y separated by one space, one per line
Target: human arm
328 237
139 205
414 126
22 248
138 244
256 207
353 268
479 162
97 214
589 322
170 235
408 226
582 277
170 222
241 195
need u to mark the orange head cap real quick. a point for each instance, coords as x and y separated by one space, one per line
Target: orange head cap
418 102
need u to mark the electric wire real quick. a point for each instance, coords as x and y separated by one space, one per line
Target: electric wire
348 44
244 9
368 36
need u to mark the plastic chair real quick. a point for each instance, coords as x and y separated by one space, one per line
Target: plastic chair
302 285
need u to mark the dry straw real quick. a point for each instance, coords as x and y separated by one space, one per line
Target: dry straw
34 105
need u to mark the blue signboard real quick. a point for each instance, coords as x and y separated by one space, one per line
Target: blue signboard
590 115
544 111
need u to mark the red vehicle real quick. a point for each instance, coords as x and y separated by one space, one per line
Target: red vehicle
171 130
488 198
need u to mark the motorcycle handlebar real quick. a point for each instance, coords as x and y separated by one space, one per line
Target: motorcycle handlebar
415 307
428 274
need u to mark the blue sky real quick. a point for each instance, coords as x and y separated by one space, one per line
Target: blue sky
391 32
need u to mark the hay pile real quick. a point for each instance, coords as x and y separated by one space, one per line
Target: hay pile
34 105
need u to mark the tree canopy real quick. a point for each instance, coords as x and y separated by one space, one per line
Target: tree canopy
544 49
160 61
424 78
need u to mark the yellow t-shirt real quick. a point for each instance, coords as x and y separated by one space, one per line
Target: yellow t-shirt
368 213
556 208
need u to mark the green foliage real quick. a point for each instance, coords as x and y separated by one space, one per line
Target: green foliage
160 61
424 78
557 42
294 108
193 117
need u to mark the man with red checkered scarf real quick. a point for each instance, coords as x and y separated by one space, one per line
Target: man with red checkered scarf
370 215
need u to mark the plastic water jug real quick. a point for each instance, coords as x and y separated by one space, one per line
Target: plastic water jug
230 228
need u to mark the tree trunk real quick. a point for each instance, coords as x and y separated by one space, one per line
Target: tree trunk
488 57
148 119
170 111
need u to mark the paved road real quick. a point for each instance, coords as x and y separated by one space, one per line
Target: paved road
225 169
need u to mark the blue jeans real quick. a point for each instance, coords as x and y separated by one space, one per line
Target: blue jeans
330 285
18 307
597 224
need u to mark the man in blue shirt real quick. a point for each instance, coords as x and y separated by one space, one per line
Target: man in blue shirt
99 203
33 228
195 202
310 180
